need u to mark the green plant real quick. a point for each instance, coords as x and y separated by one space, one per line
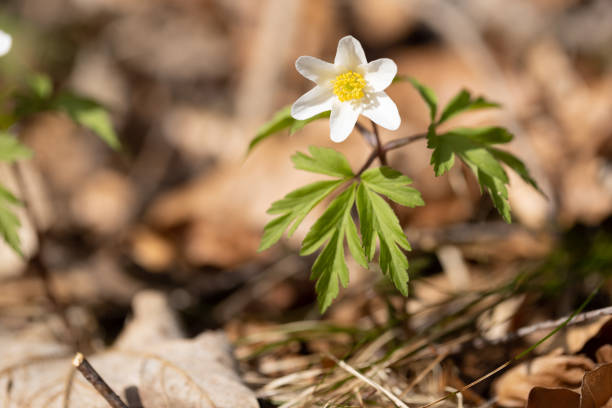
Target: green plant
344 90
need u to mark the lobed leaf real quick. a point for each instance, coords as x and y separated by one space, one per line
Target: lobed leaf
473 146
463 102
484 135
498 192
326 225
90 115
334 226
378 220
323 161
282 120
428 96
392 184
293 208
517 165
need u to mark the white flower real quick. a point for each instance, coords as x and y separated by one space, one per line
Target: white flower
349 87
5 43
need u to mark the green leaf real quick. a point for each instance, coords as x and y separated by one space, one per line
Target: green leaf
428 96
326 225
392 184
354 244
468 149
517 165
473 146
90 115
280 121
366 221
299 124
378 219
34 97
485 135
443 156
293 208
330 267
463 102
11 149
9 222
40 85
498 192
323 161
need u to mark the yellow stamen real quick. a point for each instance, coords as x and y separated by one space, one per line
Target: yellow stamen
349 86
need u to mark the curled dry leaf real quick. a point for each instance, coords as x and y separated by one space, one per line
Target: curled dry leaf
595 392
597 388
552 370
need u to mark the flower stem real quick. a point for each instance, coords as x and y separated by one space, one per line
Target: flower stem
381 152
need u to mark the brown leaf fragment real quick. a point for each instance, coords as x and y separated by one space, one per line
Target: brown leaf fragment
540 397
552 370
604 354
597 388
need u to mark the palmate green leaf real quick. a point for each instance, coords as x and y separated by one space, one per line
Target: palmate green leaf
9 222
377 219
463 102
280 121
11 149
334 226
293 208
323 160
90 115
469 145
474 147
393 184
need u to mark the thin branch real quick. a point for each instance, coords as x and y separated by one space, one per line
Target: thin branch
393 144
367 134
398 403
402 141
99 384
368 162
382 153
547 325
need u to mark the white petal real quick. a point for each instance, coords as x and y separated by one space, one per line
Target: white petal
342 120
5 43
317 100
315 69
349 54
379 73
382 110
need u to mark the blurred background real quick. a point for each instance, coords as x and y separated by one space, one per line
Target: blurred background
181 208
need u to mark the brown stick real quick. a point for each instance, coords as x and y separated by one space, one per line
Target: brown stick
81 363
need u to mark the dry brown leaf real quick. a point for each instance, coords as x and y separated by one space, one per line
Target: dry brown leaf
595 392
165 371
552 370
597 388
540 397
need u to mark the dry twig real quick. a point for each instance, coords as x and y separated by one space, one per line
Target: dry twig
99 384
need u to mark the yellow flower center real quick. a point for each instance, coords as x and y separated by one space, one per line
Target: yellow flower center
349 86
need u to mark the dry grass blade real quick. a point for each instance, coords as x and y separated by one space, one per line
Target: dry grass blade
398 403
